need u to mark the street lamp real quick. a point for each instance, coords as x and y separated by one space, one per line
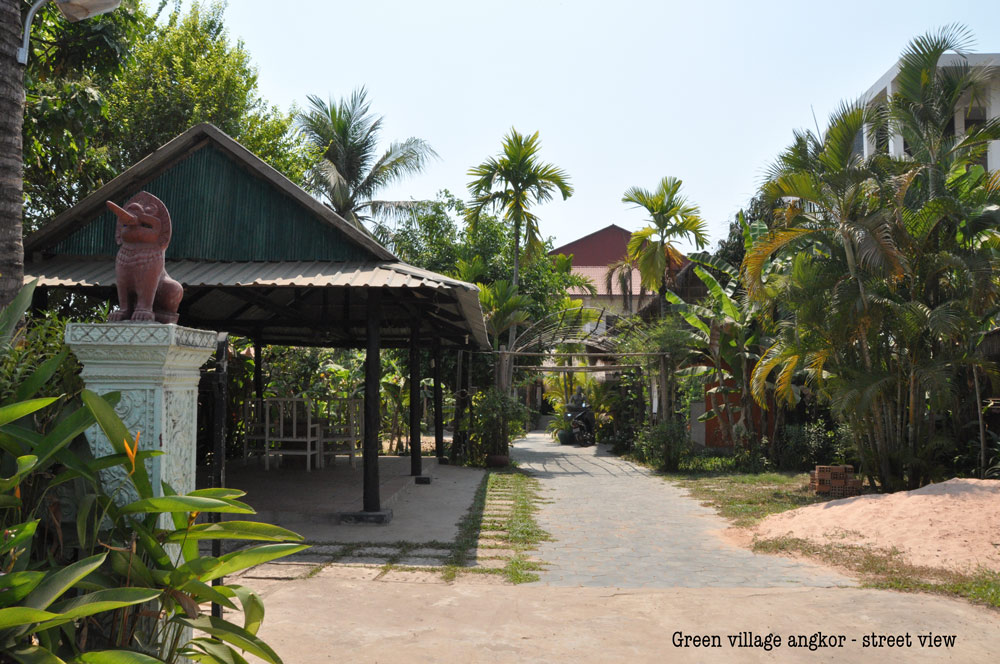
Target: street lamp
73 10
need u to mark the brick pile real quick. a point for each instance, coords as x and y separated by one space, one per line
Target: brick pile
837 481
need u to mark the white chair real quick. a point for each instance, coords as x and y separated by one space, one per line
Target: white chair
341 429
291 430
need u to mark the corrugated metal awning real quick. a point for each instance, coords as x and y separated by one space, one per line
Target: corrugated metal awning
280 290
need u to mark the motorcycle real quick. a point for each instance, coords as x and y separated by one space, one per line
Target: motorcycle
581 426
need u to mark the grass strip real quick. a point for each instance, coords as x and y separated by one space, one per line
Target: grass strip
887 569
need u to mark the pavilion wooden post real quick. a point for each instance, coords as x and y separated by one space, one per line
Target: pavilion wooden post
456 435
415 458
258 370
438 403
373 379
220 399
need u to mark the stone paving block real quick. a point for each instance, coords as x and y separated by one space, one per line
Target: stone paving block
663 539
279 571
491 563
307 557
385 551
494 553
428 551
325 549
417 561
363 560
353 572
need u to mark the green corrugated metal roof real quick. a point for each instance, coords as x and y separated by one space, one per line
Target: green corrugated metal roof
222 212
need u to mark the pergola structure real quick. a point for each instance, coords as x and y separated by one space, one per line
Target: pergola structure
261 258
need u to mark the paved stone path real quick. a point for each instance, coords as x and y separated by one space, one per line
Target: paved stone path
615 524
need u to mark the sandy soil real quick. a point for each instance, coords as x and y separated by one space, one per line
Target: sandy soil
952 525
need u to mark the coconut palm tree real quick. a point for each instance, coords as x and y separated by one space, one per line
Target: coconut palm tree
512 182
621 272
672 218
503 308
350 172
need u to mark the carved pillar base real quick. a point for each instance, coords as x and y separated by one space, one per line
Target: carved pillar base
156 368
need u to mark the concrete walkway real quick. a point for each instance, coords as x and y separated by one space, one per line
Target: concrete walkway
617 525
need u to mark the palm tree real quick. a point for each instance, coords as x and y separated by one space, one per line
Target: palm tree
11 118
621 272
350 172
672 217
926 100
513 181
503 308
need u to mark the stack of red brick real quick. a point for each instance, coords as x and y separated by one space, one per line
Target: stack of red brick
838 481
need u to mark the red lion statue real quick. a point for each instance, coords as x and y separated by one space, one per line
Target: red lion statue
145 292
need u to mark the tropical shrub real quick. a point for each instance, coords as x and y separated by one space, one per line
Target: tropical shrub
804 446
663 444
499 419
882 271
94 565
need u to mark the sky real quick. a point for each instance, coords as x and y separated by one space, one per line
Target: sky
623 93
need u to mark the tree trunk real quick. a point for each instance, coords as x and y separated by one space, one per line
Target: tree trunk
11 157
982 425
512 333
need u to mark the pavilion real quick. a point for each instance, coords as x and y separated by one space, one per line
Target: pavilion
261 258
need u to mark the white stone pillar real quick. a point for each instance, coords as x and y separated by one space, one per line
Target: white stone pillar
156 368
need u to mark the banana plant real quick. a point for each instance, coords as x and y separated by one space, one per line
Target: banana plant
724 332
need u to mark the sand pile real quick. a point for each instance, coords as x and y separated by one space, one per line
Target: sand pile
951 525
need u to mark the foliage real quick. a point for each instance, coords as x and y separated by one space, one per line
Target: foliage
807 445
503 308
347 170
732 248
747 498
499 419
429 236
94 561
104 93
671 218
663 444
70 69
513 182
892 347
722 330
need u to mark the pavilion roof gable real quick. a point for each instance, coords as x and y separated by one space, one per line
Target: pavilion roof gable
226 204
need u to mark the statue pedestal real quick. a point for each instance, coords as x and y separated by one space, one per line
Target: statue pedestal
156 368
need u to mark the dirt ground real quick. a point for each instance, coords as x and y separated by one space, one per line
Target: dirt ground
953 525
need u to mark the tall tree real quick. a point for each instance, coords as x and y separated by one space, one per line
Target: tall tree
349 172
884 270
71 68
512 182
672 218
187 71
11 118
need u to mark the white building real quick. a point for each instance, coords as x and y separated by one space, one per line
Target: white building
985 107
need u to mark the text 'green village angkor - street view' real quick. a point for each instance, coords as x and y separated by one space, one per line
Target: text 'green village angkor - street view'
519 332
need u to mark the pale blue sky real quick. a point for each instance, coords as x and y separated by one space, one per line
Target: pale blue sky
623 92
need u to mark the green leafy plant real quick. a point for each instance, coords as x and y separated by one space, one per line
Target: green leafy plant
499 420
663 444
96 566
